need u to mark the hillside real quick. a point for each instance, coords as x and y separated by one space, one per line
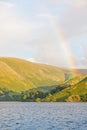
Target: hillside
19 75
74 90
21 80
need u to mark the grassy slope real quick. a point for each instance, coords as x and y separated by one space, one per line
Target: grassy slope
19 75
77 86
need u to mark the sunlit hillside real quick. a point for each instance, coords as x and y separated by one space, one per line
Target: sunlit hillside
19 75
74 90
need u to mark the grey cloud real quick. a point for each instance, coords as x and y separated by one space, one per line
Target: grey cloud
74 20
19 35
74 3
84 47
79 4
49 50
80 63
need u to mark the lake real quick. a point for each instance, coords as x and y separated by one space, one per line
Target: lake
43 116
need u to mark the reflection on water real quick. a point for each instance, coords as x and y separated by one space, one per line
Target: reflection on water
43 116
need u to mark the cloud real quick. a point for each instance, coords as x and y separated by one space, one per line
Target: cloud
31 59
74 20
18 36
75 3
84 48
54 2
82 62
15 32
6 4
79 4
49 50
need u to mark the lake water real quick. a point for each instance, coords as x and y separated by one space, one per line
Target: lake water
43 116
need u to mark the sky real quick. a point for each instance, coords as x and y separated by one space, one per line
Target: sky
46 31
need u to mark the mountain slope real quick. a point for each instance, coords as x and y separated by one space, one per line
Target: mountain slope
21 80
19 75
75 89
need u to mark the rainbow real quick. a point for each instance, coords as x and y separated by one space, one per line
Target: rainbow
60 38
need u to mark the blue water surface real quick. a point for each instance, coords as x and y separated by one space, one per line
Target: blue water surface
43 116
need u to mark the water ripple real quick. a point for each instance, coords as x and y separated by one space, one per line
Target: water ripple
43 116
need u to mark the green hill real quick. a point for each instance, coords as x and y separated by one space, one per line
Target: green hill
19 75
21 80
73 90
